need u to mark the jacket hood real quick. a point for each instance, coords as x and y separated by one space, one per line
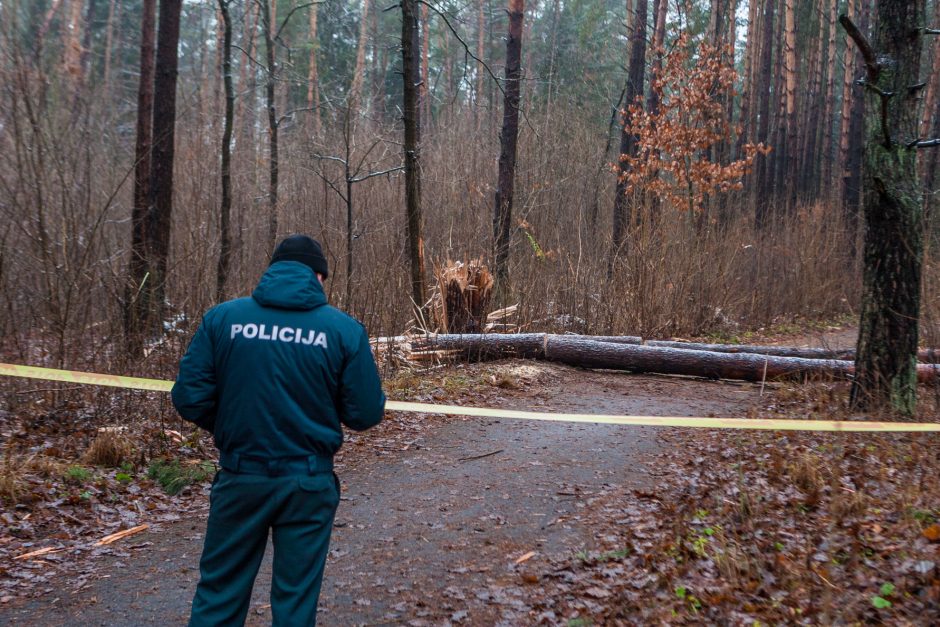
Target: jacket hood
289 285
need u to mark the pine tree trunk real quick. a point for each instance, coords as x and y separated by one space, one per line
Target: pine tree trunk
628 141
930 128
826 153
481 40
764 187
135 304
886 357
161 166
355 89
410 49
502 215
790 180
108 45
845 119
313 75
660 7
852 187
812 103
271 107
747 96
424 87
225 229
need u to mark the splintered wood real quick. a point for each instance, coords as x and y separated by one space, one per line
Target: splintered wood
114 537
463 296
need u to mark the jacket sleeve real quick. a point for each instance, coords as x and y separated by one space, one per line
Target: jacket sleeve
361 400
194 393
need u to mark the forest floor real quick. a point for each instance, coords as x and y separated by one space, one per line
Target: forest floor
449 520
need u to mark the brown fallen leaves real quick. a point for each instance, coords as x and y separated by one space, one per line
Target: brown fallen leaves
748 528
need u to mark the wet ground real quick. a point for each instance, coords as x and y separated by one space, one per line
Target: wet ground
427 532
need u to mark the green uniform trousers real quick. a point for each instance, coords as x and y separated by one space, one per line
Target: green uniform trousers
299 509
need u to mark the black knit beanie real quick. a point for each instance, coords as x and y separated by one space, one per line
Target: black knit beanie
304 249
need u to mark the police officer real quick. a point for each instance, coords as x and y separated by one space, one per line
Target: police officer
273 377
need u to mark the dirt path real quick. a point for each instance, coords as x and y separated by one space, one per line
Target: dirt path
428 532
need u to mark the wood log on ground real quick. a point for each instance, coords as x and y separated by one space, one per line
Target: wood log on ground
499 346
591 353
925 355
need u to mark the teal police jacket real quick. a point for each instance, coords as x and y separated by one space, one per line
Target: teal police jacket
275 375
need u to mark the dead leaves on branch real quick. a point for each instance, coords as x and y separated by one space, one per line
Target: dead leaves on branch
677 145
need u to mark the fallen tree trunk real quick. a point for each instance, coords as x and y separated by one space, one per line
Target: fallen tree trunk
591 353
925 355
499 346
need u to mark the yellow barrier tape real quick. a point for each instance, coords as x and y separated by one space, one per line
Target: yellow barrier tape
767 424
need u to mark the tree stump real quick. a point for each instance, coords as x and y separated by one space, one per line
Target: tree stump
463 295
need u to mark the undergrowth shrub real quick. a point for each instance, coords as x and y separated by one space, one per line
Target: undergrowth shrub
174 476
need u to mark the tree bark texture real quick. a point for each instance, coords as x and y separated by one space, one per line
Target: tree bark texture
789 180
528 345
826 154
313 75
761 207
135 305
481 39
270 105
225 209
424 85
412 149
588 352
355 89
886 358
502 214
628 141
159 218
852 185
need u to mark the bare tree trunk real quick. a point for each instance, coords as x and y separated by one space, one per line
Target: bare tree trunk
886 357
848 63
852 187
225 229
551 61
355 89
481 35
85 57
747 97
930 127
424 91
660 7
827 156
313 76
792 171
135 305
628 141
108 44
72 47
412 148
810 121
161 165
270 82
761 213
502 218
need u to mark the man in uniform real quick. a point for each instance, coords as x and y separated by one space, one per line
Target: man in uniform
273 377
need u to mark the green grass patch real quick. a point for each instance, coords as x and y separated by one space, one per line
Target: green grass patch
173 476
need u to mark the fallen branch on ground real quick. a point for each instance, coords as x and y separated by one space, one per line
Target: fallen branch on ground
114 537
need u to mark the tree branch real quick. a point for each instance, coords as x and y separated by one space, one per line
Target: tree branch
372 174
290 14
932 31
868 53
924 143
874 71
464 44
